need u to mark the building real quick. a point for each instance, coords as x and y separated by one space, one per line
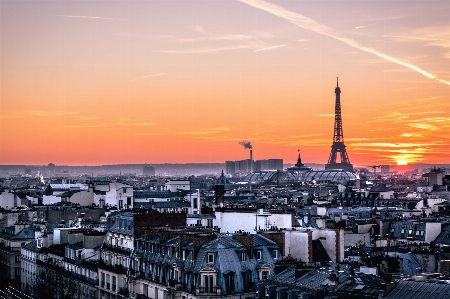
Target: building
270 164
148 170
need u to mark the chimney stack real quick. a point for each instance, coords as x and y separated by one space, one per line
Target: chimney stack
251 160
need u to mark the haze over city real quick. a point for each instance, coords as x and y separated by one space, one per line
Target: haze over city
96 82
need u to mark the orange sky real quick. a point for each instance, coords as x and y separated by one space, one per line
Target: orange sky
90 82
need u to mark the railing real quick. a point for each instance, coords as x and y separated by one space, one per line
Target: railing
115 248
118 269
212 290
123 291
9 248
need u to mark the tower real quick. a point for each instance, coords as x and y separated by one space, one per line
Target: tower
338 146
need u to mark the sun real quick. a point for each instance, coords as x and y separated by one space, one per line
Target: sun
402 162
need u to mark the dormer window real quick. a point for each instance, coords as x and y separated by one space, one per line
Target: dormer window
258 254
210 258
243 256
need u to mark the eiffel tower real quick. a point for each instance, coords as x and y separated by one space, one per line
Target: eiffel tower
338 146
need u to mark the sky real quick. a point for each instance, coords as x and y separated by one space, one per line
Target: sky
113 82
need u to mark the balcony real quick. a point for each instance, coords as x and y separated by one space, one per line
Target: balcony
213 290
123 291
118 269
117 249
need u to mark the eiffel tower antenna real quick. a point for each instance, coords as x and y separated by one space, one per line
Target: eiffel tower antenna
338 147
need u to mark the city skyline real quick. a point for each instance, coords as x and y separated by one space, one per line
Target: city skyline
125 82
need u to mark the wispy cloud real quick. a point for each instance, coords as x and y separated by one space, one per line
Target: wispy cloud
411 135
424 126
88 17
310 24
79 126
145 124
148 76
269 48
325 115
51 113
8 116
207 36
207 131
205 50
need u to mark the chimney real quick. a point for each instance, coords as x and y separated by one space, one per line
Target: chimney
251 160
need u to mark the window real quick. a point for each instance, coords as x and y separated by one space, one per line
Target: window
264 274
210 222
208 281
129 201
145 290
258 254
195 203
229 283
243 256
210 257
120 204
199 222
124 190
17 259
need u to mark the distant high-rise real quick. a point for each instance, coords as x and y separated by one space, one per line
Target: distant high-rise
338 146
148 170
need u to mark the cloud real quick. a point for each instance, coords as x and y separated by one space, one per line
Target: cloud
359 27
310 24
325 115
207 131
51 113
7 116
424 126
303 40
269 48
88 17
223 37
204 50
80 126
148 76
411 135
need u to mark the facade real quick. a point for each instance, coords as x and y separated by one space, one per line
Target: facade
11 240
115 257
192 265
269 164
148 170
119 195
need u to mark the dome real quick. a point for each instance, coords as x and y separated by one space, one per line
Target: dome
329 176
268 176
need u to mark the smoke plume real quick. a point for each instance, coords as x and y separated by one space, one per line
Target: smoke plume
246 144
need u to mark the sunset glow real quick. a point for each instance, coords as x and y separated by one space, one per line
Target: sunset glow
101 82
402 162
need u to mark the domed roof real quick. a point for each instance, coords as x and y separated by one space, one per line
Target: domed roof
335 176
268 176
222 180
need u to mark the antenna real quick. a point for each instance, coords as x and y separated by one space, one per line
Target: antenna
337 81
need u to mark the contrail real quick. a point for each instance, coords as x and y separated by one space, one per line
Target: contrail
89 17
269 48
310 24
